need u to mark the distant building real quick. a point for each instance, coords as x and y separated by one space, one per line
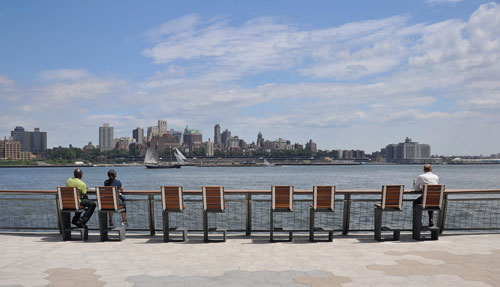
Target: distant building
138 135
159 130
192 138
123 143
311 146
260 140
88 147
217 136
209 148
234 143
10 149
106 139
34 142
225 138
407 152
162 127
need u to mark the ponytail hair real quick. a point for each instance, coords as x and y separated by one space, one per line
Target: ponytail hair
111 175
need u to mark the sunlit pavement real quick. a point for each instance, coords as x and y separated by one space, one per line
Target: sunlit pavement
43 259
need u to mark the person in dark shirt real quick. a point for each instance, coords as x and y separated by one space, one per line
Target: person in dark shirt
112 181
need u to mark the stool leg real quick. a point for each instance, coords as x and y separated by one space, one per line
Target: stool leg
103 225
311 225
205 226
271 226
417 223
66 225
165 226
378 224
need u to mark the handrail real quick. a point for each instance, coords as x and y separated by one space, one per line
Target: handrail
264 192
346 201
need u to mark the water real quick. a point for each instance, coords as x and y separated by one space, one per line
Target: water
302 177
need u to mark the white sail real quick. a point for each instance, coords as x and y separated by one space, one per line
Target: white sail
179 156
151 156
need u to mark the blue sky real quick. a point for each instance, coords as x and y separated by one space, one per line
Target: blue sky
348 74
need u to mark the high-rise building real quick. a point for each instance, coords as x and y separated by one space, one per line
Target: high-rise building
407 152
34 142
209 148
138 135
311 146
18 135
217 136
106 139
225 138
162 127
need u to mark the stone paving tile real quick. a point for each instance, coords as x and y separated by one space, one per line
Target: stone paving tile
354 260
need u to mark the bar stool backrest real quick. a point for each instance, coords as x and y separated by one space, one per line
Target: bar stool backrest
107 198
172 198
68 198
432 196
213 198
282 197
324 197
392 196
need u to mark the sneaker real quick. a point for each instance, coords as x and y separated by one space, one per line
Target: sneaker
124 224
80 223
111 223
431 222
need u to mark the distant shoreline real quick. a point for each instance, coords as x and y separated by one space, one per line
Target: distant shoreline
238 165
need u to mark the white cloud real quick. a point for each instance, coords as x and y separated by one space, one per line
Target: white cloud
6 81
348 81
64 74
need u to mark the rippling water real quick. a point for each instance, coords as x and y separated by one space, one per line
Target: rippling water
302 177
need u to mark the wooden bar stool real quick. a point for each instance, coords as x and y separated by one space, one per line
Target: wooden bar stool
432 200
213 202
392 200
281 201
323 201
172 199
107 201
69 202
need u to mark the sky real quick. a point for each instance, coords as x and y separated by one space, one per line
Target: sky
347 74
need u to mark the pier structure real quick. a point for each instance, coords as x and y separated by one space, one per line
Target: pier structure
467 253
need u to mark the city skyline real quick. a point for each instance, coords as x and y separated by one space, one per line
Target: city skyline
355 75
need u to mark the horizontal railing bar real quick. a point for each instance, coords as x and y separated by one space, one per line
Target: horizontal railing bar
264 192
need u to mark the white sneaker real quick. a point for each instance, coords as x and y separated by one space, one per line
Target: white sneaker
125 224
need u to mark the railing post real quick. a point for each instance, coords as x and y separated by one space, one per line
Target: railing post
151 210
347 214
58 212
249 214
442 214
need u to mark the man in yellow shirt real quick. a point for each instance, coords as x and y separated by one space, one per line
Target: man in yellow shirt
88 204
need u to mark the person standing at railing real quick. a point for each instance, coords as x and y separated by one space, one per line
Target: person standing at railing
426 178
89 205
112 181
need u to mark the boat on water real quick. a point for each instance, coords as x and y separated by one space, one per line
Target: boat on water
152 159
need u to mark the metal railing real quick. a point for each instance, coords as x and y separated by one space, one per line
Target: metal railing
248 211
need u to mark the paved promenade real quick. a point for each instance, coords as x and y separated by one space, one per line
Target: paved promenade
354 260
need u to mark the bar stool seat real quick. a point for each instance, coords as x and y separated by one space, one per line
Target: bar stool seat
68 202
392 200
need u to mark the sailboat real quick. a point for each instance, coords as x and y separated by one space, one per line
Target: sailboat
152 159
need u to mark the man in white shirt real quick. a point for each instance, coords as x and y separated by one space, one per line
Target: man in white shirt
426 178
